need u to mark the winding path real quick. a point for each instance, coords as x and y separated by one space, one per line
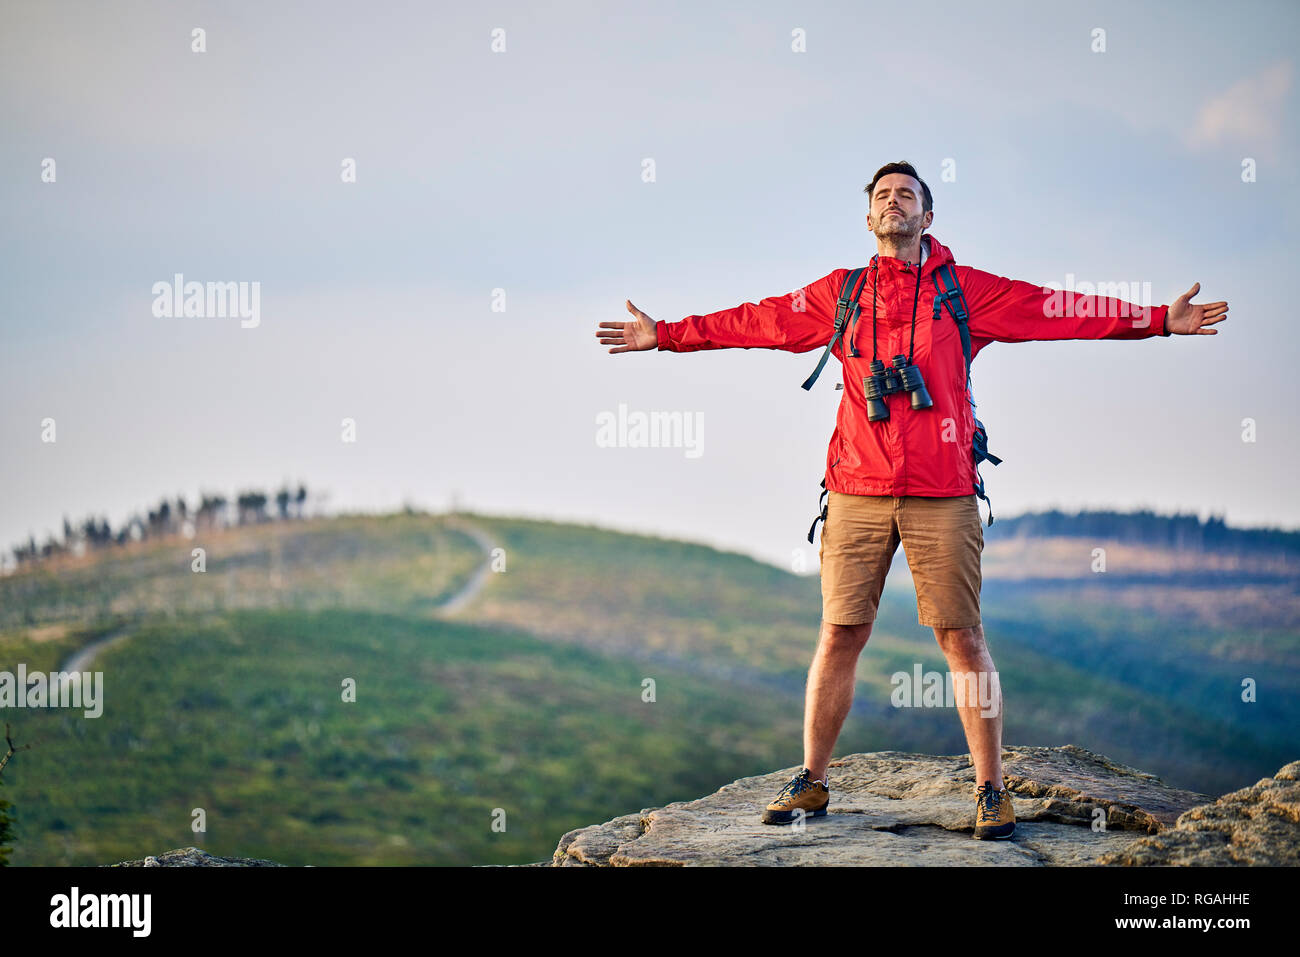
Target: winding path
81 660
469 591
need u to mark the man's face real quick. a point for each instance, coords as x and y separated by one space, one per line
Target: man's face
896 208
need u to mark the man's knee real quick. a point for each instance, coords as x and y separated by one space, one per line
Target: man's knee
848 638
961 641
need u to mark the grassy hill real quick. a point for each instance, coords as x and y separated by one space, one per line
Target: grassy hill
224 692
1143 662
406 562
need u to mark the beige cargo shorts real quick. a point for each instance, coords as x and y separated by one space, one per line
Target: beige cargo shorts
943 539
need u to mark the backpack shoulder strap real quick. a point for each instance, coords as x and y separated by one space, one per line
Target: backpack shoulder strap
948 293
845 309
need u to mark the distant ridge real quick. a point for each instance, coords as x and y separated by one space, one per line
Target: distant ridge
1145 527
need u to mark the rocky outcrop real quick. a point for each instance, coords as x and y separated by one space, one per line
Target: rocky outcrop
194 857
1258 825
1073 807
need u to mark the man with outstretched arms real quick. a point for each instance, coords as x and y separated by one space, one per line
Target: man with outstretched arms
902 462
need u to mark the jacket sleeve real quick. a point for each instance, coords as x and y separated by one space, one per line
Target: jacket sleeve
796 322
1008 310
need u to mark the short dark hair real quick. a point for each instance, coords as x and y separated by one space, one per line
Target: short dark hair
927 200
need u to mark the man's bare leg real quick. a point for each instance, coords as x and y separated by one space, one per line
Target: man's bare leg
830 691
966 652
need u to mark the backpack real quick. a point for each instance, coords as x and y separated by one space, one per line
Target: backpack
947 293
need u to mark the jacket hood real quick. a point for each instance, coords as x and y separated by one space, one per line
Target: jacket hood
938 254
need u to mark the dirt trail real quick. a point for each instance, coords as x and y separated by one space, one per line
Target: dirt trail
469 591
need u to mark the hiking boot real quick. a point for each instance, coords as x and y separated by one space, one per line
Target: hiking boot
994 817
801 793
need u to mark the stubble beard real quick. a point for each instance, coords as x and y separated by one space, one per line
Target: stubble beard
899 232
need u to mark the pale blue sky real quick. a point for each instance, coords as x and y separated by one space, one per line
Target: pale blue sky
522 171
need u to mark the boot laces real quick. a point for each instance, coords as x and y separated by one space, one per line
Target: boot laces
800 782
990 802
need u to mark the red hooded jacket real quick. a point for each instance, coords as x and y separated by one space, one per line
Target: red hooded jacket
923 452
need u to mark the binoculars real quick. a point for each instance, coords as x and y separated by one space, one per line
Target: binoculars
900 377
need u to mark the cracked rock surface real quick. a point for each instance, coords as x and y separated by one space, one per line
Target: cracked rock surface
1073 807
1258 825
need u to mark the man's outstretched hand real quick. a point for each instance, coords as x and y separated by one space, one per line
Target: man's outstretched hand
632 336
1186 319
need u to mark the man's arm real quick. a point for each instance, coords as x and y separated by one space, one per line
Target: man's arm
1008 310
796 322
